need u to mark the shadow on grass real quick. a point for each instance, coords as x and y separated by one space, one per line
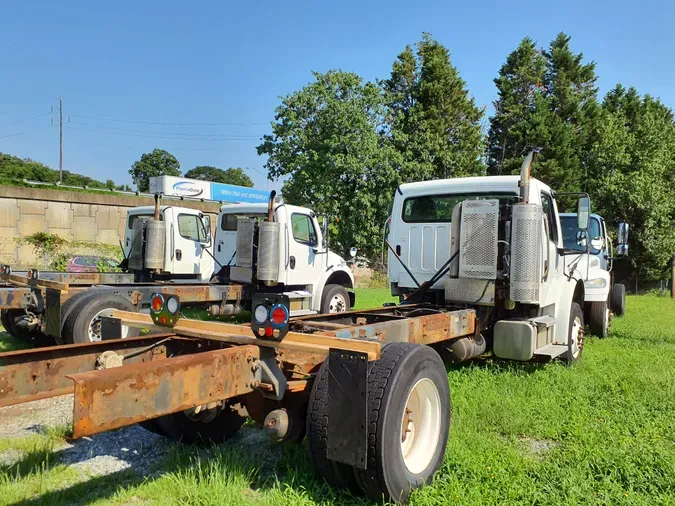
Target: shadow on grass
497 365
187 474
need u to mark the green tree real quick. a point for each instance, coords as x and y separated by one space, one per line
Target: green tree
553 108
520 110
433 121
157 163
633 176
326 139
235 176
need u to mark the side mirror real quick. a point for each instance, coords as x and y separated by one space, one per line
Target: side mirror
583 213
622 235
324 232
581 238
206 223
352 252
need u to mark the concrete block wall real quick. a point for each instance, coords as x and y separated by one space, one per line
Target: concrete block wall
75 216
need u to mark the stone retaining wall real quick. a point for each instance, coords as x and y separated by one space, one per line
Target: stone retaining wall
75 216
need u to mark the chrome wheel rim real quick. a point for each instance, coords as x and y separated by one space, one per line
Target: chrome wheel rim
337 304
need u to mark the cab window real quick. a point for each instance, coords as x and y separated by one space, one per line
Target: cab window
191 227
549 212
228 222
133 217
303 229
438 208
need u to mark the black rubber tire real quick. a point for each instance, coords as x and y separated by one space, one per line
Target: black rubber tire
574 313
4 320
331 291
70 309
336 474
619 299
180 427
597 319
76 329
390 381
34 337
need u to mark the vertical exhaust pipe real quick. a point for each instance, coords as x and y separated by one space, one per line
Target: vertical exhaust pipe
156 215
525 173
270 206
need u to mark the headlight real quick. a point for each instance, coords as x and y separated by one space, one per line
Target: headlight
595 283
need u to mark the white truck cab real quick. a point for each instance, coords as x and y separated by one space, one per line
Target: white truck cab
603 297
315 278
187 250
504 243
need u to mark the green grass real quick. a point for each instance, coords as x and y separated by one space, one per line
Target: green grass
606 426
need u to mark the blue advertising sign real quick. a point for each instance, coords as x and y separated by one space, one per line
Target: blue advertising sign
232 193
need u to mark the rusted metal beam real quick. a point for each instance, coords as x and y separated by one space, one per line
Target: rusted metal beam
12 297
240 334
121 396
205 292
37 283
427 329
29 375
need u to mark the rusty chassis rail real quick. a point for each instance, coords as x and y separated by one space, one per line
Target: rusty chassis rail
125 381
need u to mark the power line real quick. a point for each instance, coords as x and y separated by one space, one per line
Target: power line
165 123
25 119
243 137
25 132
172 149
219 139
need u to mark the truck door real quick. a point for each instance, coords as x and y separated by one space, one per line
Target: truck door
552 268
304 265
187 239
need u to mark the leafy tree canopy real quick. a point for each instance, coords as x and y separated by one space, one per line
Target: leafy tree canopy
157 163
235 176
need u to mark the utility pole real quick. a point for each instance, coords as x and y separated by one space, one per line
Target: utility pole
60 140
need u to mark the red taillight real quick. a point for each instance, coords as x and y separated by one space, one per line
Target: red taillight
268 331
279 315
162 320
157 303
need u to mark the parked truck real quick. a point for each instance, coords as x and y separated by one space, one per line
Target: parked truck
366 388
170 249
604 298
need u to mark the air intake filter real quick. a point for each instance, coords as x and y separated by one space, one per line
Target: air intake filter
245 231
268 252
526 248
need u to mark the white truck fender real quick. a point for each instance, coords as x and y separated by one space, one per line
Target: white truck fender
336 274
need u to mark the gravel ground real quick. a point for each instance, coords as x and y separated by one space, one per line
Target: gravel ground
129 448
102 454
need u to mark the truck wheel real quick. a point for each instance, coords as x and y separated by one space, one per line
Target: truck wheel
10 318
335 299
408 421
619 299
5 321
336 474
84 324
206 427
599 319
575 336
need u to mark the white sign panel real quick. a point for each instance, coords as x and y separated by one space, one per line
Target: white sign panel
180 187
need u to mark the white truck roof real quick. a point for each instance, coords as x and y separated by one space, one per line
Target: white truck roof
256 208
467 185
151 209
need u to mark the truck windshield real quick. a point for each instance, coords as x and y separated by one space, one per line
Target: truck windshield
569 226
438 208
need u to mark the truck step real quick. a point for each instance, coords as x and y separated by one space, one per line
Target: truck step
551 351
298 294
545 320
301 312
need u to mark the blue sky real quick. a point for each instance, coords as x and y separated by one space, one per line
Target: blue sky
191 71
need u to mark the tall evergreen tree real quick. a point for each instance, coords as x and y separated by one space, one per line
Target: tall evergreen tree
555 110
520 110
434 123
633 163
